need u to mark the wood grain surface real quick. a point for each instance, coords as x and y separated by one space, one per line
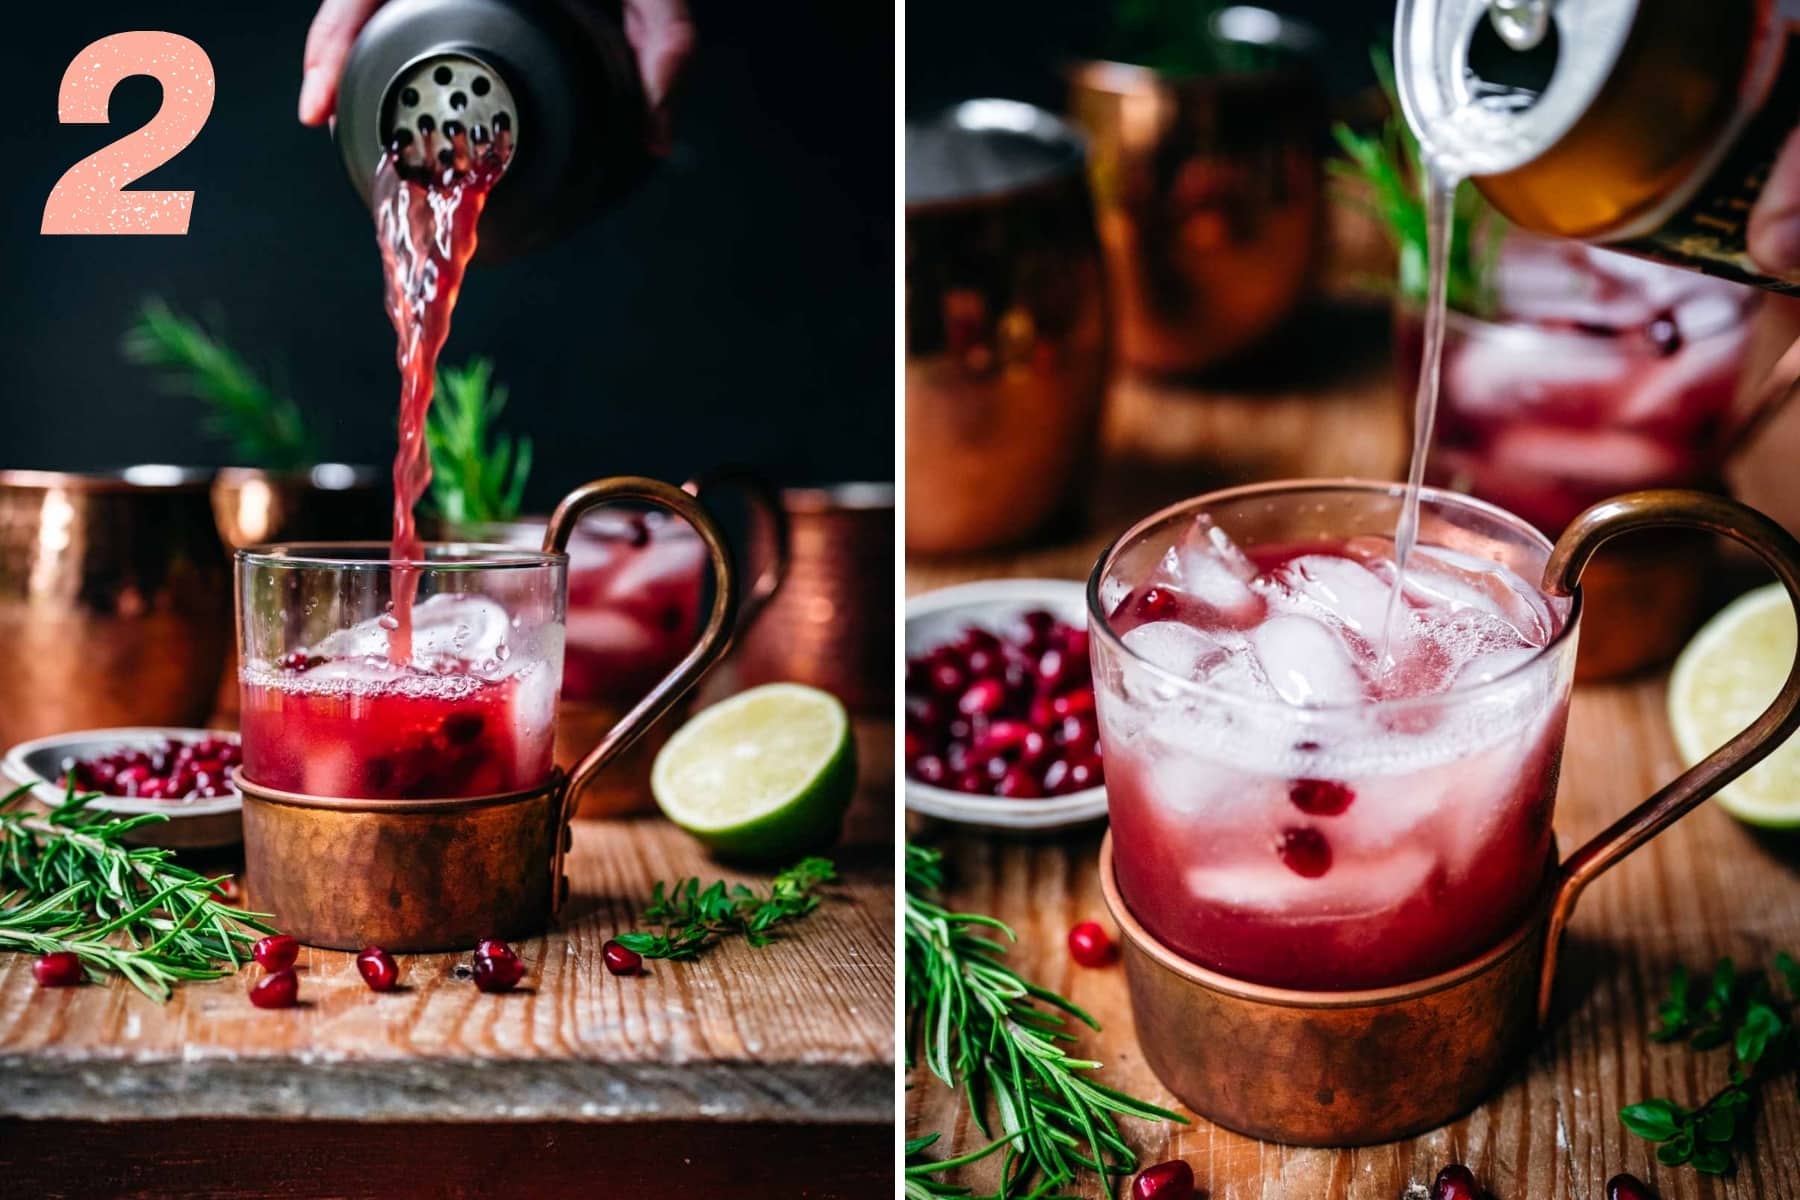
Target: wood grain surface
799 1031
1706 888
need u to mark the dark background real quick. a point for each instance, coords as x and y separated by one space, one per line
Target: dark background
739 306
957 49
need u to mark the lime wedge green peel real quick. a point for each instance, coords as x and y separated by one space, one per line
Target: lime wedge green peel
1723 680
762 776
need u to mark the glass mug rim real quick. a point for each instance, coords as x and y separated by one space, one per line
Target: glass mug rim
377 556
1429 497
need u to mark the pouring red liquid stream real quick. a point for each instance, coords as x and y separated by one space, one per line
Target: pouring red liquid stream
425 221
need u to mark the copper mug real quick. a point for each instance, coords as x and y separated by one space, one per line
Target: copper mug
1006 332
115 600
1209 198
398 862
1347 1068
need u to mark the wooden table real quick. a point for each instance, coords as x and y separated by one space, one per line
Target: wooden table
748 1073
1706 888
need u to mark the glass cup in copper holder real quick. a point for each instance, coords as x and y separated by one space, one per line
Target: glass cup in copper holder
1337 886
399 781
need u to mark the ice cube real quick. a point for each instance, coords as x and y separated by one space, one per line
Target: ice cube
1354 885
1306 662
1208 566
1487 666
669 562
1454 582
1509 372
1340 588
1177 648
1696 382
448 628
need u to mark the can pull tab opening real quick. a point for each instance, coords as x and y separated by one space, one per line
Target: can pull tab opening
1521 24
444 103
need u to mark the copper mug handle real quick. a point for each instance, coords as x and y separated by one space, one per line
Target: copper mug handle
764 500
715 639
1598 524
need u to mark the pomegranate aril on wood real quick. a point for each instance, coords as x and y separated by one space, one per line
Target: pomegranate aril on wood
1090 944
1628 1187
1455 1182
62 968
1172 1180
276 952
378 969
498 972
620 960
278 989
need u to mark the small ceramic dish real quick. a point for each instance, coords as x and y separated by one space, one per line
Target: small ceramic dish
198 824
934 618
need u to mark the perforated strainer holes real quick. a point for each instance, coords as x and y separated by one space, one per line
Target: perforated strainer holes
443 75
480 85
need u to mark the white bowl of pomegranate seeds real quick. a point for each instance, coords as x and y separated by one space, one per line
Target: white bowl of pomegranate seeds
184 774
999 729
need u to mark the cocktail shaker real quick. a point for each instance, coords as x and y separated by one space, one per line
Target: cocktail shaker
557 75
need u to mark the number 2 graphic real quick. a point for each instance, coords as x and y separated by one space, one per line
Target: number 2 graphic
91 196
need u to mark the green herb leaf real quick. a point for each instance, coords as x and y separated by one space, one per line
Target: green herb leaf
70 882
981 1027
694 920
1742 1010
263 428
478 474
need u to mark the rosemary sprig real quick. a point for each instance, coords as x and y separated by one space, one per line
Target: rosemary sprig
68 882
694 919
1386 164
477 473
265 429
1744 1011
985 1029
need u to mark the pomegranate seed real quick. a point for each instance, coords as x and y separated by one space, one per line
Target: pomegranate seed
982 663
494 948
1090 945
1075 642
929 768
947 679
276 952
61 968
1628 1187
378 969
1001 737
498 972
1320 797
278 989
1305 852
1455 1182
915 746
620 960
1034 747
1073 704
1018 783
1172 1180
1083 773
297 661
1156 604
983 697
1038 625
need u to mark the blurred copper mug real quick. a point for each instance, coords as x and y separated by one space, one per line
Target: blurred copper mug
115 600
832 626
327 502
1006 337
1208 196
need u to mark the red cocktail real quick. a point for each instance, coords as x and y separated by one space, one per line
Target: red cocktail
1304 792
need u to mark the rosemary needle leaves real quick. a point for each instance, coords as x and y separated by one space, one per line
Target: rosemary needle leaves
985 1029
68 882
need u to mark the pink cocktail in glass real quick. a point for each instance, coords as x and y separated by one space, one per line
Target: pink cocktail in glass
1289 805
470 711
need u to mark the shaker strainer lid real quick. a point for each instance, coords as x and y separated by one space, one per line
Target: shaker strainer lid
441 92
987 148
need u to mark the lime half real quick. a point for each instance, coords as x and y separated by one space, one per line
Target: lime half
765 775
1723 680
